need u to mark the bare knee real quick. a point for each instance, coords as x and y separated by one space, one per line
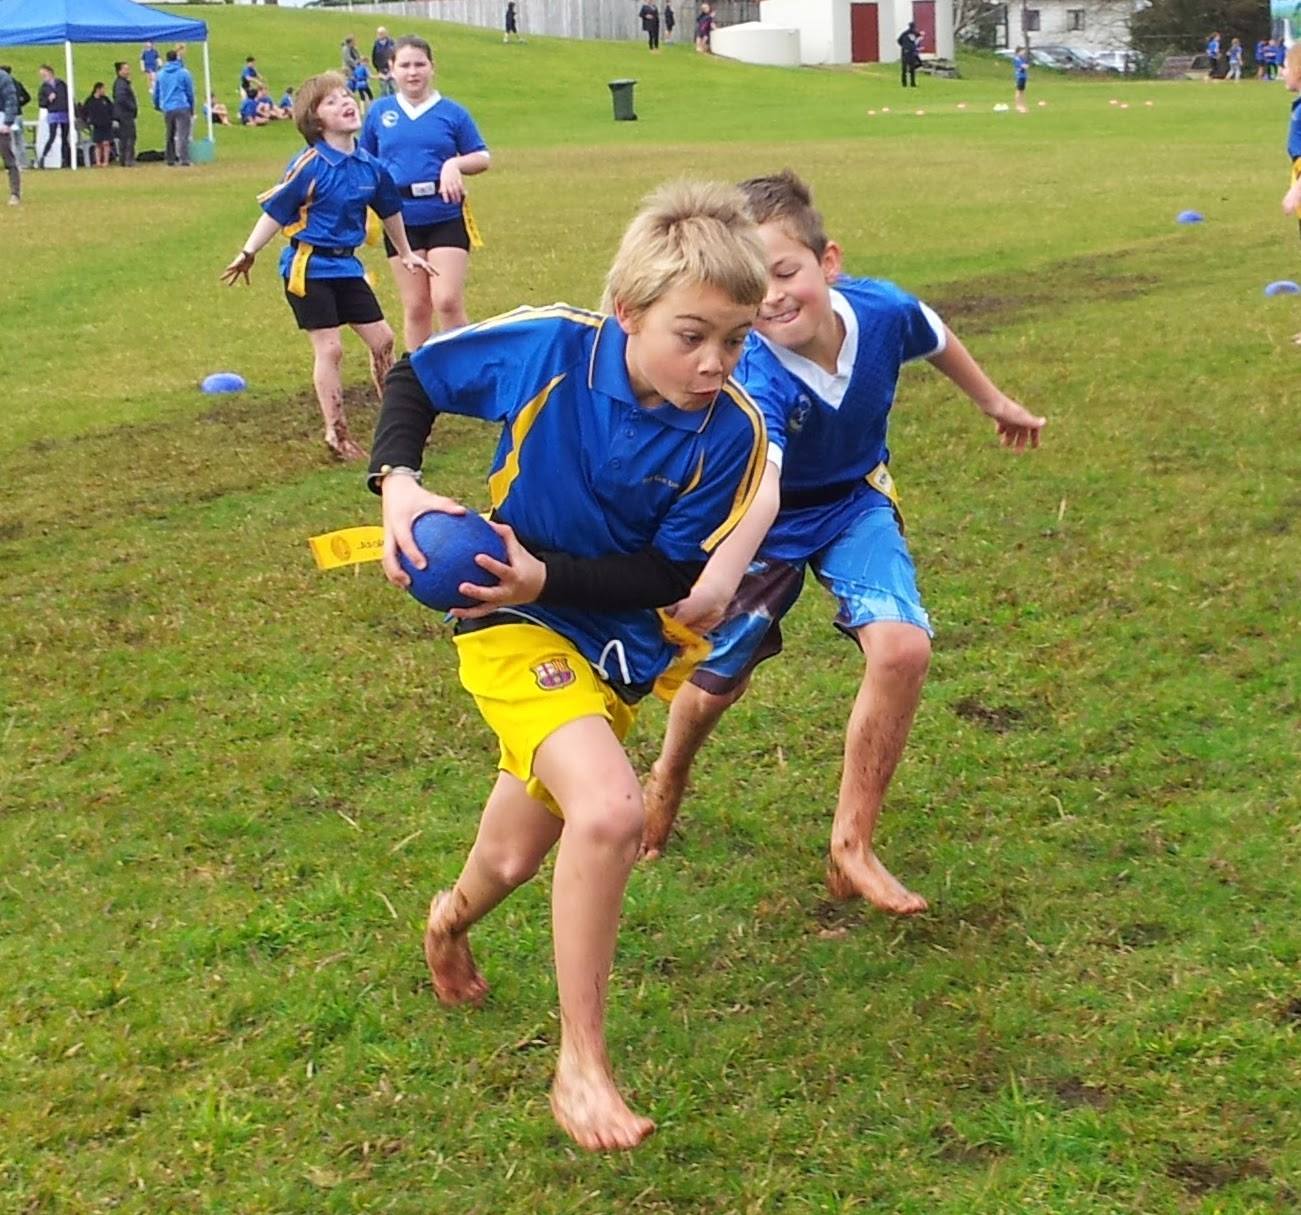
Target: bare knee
451 312
903 655
611 821
329 351
511 866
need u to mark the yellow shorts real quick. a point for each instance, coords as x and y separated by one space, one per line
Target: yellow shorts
528 682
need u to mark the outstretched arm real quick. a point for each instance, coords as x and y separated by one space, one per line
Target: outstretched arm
1017 426
263 231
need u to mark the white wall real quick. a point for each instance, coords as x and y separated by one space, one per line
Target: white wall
823 26
1106 24
755 42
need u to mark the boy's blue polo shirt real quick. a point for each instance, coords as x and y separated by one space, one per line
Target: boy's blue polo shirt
149 59
322 202
414 142
247 109
1294 131
1021 67
830 431
1212 47
582 468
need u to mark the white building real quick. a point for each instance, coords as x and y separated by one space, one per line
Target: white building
793 32
1081 25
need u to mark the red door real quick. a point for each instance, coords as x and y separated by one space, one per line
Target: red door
864 33
924 18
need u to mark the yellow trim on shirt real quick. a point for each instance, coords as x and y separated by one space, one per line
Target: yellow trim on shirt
749 484
301 222
294 169
500 482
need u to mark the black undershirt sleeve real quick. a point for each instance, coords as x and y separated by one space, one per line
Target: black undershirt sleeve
405 419
618 582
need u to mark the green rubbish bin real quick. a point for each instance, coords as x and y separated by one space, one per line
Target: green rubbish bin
621 91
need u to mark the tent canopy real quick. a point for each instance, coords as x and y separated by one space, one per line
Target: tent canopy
50 22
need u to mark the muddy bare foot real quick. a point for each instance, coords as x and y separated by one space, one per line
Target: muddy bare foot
857 873
455 977
342 444
591 1112
661 797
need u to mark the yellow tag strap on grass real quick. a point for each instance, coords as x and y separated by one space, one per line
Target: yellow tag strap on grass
693 649
471 228
351 546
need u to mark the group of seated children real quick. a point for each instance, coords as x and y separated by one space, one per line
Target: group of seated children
257 108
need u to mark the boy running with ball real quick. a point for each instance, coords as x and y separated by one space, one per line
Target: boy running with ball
626 457
823 365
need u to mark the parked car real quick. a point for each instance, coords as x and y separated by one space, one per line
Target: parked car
1124 62
1068 59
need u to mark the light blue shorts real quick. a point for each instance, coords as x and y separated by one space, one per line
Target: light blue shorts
867 568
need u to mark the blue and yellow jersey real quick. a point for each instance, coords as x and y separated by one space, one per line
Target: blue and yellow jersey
321 203
1294 133
829 431
413 143
582 468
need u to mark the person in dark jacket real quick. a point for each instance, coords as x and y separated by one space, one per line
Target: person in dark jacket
97 110
52 97
8 121
125 110
650 22
670 20
909 54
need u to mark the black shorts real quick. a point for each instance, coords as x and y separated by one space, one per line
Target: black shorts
101 135
331 302
449 234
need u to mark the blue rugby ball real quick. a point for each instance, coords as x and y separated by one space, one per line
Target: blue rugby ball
1190 217
1284 286
449 544
223 381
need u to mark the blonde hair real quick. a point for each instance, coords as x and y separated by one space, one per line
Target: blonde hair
1293 55
307 100
688 232
784 199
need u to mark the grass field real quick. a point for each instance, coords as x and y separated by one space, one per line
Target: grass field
228 784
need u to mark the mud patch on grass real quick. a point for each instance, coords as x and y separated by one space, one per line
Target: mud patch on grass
1203 1176
998 718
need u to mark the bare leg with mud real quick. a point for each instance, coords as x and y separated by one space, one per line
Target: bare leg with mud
515 834
584 766
693 715
379 343
897 658
327 359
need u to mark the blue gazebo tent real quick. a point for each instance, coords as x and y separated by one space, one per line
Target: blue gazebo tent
50 22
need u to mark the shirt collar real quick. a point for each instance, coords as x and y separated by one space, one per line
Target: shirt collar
607 373
831 388
415 111
331 155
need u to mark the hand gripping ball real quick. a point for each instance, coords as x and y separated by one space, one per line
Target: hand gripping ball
449 544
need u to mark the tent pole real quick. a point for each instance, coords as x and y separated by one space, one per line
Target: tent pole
72 101
207 89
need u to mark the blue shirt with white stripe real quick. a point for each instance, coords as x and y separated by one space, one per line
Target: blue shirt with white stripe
583 468
829 431
414 142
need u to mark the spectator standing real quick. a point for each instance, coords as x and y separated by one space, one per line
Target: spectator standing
350 56
97 110
149 59
16 128
704 30
909 55
1235 60
1213 55
512 23
650 22
381 59
174 97
1261 71
125 109
8 121
359 86
249 80
1020 77
670 20
1278 58
52 97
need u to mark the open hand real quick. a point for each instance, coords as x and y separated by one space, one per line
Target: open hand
238 269
1017 427
416 264
521 579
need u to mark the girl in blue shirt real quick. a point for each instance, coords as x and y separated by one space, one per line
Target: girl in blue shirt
429 145
321 203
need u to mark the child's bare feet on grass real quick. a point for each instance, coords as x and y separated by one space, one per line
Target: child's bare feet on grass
591 1112
661 799
857 873
342 444
451 965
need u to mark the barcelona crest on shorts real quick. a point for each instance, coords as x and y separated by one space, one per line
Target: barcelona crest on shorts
554 674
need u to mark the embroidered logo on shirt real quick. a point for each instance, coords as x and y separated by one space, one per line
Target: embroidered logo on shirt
799 415
389 118
554 674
